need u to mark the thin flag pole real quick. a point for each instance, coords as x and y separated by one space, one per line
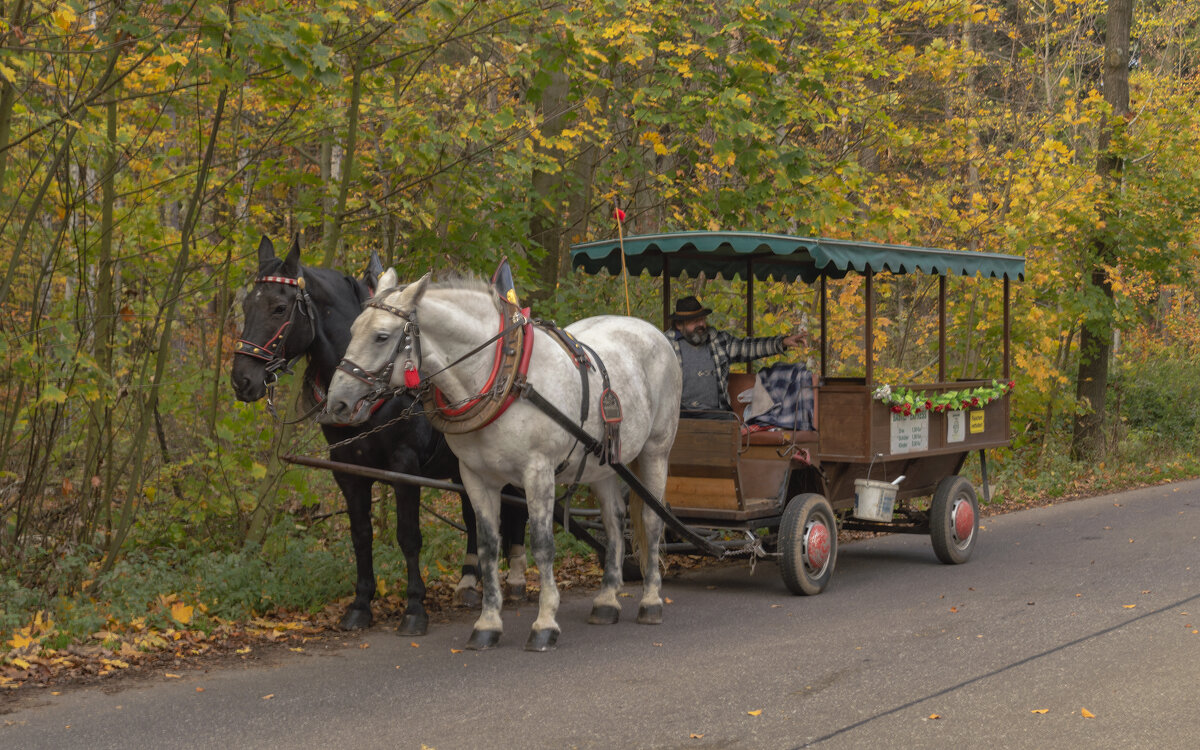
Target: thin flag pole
620 217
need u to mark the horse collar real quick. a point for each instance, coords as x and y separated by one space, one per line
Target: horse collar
510 368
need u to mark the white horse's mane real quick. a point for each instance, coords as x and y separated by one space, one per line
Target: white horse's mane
465 281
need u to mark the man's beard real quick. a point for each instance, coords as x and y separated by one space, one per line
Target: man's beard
696 336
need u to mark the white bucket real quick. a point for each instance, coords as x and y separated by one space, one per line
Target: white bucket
873 500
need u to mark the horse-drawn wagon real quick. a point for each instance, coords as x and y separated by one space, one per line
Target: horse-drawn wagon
863 463
785 491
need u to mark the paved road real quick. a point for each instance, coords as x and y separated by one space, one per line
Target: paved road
1090 605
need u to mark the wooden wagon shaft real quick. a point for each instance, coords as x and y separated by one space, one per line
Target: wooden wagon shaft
384 475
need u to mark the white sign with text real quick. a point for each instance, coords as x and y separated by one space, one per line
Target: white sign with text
910 433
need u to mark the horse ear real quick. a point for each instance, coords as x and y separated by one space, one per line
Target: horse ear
266 251
413 292
291 264
374 269
388 280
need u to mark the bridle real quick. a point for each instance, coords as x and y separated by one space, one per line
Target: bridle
514 346
272 352
380 379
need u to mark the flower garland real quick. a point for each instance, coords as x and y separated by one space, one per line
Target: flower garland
909 403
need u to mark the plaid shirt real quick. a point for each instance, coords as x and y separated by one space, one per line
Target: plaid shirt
725 349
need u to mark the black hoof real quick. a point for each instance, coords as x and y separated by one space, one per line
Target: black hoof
541 640
414 624
356 619
516 593
481 640
468 598
604 615
651 615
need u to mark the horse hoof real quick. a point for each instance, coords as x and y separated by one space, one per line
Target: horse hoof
414 625
468 598
516 593
356 619
541 640
604 614
482 640
651 615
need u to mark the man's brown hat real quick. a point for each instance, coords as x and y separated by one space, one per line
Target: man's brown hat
689 308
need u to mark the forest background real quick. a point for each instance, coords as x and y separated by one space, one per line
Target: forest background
146 147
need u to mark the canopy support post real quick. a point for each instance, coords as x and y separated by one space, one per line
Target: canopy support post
942 329
868 328
666 292
1007 332
824 330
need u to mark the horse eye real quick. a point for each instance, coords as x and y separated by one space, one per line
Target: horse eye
280 309
381 337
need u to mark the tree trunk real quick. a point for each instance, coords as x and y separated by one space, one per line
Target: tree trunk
172 296
546 227
1095 338
333 224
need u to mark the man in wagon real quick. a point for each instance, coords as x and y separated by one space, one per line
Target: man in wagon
705 353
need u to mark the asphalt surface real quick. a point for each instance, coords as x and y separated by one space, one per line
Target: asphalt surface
1073 626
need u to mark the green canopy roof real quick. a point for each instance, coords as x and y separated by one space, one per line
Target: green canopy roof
782 257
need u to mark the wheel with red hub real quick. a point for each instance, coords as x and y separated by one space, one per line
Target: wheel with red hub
954 520
808 541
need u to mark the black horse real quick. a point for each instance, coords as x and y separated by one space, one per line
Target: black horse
296 311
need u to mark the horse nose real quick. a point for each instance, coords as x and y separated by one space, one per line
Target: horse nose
337 411
243 386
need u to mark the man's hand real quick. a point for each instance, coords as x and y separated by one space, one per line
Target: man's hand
795 340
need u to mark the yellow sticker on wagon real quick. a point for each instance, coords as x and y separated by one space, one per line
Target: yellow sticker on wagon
977 421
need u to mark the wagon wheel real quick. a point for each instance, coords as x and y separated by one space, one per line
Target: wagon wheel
954 520
808 540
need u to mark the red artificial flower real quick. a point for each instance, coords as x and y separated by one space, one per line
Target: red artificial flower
619 214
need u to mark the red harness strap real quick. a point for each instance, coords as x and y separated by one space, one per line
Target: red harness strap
519 375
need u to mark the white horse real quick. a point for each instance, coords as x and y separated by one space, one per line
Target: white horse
445 332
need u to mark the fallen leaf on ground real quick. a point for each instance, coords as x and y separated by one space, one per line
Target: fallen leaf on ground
268 696
755 713
172 674
935 716
1086 713
1129 606
1039 710
414 644
696 736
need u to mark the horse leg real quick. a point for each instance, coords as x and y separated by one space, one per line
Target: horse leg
648 532
513 520
465 594
539 493
606 608
486 502
357 491
408 534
